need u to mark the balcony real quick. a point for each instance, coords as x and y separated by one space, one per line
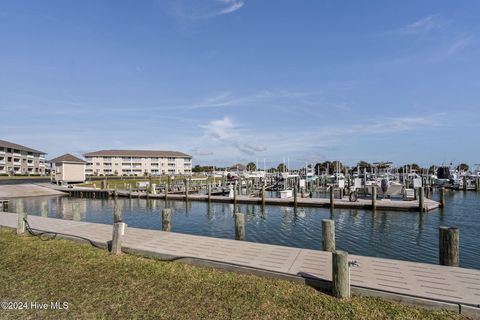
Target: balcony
30 156
41 157
2 161
15 154
41 164
30 164
2 152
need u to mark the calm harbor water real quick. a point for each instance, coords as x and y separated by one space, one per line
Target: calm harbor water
397 235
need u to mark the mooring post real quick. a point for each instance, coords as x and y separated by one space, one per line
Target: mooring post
21 222
295 195
186 188
118 232
117 212
477 184
442 197
332 200
340 275
421 199
166 219
263 195
328 235
239 226
449 239
464 183
209 191
374 197
166 191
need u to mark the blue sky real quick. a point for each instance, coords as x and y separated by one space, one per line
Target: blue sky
244 80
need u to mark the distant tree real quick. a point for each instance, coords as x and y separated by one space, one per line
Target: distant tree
363 165
463 167
282 167
431 170
251 166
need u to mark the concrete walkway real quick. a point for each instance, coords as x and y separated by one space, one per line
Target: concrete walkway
431 285
26 190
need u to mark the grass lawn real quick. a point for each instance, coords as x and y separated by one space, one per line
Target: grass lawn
23 177
98 285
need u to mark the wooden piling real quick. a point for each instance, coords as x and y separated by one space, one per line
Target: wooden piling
166 191
449 243
332 200
209 192
295 195
166 219
374 197
118 231
263 195
117 212
477 184
421 199
328 235
464 183
187 185
340 275
21 222
442 197
239 226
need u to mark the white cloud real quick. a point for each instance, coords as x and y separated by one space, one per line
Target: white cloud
423 25
220 129
232 6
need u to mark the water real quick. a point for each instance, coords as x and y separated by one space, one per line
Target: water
397 235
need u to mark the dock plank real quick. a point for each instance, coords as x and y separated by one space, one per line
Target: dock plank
434 282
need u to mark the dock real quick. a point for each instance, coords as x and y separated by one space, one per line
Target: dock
344 203
433 286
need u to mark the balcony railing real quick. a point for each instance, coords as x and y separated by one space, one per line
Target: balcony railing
30 156
17 154
30 164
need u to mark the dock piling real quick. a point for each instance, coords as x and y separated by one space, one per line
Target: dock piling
374 198
209 192
239 226
421 199
295 195
340 275
117 212
442 197
449 240
328 235
332 200
118 231
166 219
263 195
21 222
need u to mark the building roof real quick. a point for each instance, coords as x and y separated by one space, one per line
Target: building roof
67 158
138 153
12 145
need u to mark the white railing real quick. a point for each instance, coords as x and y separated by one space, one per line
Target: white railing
30 164
41 164
17 154
29 156
2 161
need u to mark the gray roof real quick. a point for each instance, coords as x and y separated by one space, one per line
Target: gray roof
138 153
67 158
12 145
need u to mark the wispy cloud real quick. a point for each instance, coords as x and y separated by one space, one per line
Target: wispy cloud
194 9
422 25
457 46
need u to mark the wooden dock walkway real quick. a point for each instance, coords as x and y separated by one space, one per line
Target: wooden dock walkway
344 203
449 287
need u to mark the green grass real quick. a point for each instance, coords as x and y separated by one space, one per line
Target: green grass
23 177
98 285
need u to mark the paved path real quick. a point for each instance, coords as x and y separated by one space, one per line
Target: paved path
439 283
26 190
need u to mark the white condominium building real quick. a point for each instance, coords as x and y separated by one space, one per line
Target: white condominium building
137 162
16 159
